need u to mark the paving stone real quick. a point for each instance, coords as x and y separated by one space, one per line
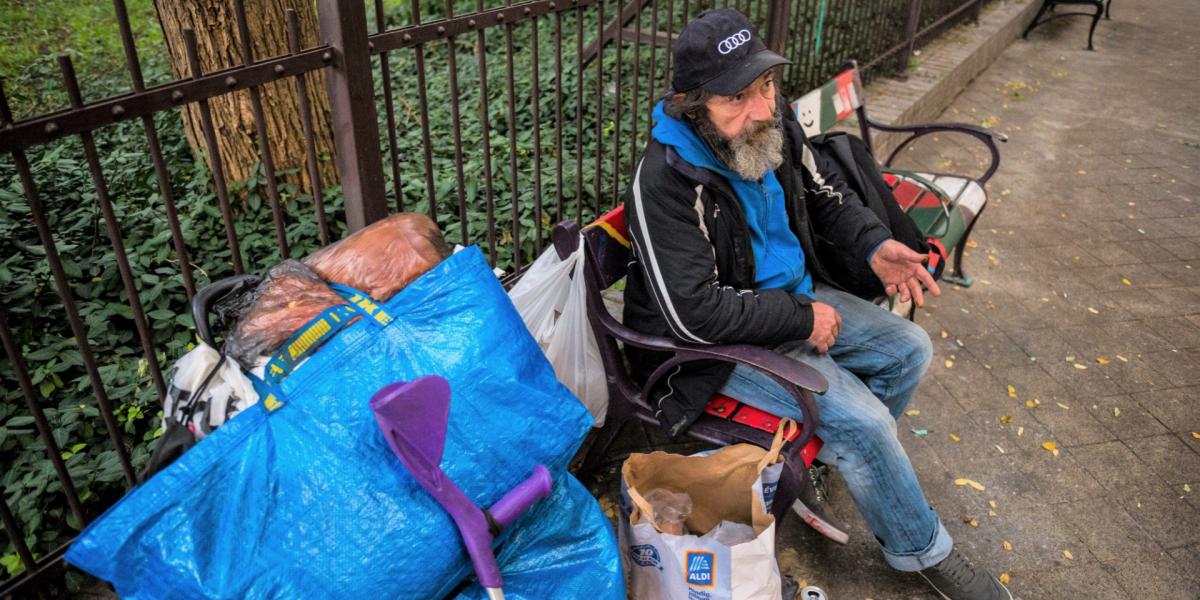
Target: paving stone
1106 530
1175 408
1073 426
1178 331
1124 417
1171 459
1176 367
1188 559
1092 581
1165 513
1153 576
1059 478
1115 466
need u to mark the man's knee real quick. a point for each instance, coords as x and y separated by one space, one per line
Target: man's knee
918 348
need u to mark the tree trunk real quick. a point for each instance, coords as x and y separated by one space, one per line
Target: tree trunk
218 47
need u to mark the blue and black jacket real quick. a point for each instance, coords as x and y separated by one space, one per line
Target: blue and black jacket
693 272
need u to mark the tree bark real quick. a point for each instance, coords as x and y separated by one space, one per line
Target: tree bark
218 47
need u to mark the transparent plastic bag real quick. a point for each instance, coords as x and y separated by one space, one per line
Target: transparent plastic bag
671 510
552 300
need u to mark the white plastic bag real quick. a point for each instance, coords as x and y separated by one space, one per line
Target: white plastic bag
552 300
728 549
206 391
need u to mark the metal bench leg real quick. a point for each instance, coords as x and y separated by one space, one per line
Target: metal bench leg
959 276
1036 20
1107 8
599 448
1095 20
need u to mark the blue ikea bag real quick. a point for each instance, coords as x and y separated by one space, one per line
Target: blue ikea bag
301 497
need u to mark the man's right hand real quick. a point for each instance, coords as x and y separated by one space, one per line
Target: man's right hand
827 324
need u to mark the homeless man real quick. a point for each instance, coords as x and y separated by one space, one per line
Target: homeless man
727 213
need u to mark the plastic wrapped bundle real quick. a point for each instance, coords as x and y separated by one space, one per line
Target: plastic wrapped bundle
384 257
379 259
290 296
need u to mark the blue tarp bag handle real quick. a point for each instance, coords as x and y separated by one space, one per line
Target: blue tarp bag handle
310 337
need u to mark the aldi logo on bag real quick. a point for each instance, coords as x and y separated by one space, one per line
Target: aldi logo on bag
701 565
645 555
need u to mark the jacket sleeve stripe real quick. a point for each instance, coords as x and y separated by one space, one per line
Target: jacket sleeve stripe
810 163
641 239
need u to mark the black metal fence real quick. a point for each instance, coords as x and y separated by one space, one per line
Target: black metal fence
496 121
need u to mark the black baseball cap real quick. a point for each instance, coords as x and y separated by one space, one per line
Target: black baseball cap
720 52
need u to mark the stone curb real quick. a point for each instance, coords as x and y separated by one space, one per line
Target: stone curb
946 66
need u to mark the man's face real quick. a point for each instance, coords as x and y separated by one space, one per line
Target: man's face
746 111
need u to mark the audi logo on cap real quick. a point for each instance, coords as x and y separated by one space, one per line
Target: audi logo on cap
734 41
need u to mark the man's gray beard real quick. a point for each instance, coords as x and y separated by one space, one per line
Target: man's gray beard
751 153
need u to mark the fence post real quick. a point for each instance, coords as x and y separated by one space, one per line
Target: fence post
910 34
352 108
778 16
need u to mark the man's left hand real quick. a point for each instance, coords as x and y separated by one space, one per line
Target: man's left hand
903 271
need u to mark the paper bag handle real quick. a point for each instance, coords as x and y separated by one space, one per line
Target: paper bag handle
786 428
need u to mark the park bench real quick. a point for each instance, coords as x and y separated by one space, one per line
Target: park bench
1048 6
944 206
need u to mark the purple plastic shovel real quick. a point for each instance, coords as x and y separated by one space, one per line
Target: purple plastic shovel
412 416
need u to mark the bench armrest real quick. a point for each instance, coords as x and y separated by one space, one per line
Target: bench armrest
799 379
987 136
773 363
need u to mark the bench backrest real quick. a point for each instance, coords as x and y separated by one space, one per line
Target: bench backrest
823 108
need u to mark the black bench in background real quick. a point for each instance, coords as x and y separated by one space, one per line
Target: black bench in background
1102 7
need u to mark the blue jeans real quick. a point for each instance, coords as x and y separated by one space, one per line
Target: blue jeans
873 370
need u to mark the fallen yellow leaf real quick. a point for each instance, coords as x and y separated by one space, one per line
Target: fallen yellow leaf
945 334
974 484
949 363
1020 431
1067 553
1033 403
1122 358
1007 546
973 243
1196 434
1090 309
1003 578
1049 446
1082 172
1187 488
1103 361
1126 281
992 503
955 438
1006 419
912 412
1012 392
1080 367
1116 411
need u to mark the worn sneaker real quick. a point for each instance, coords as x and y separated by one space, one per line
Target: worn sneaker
955 578
812 507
